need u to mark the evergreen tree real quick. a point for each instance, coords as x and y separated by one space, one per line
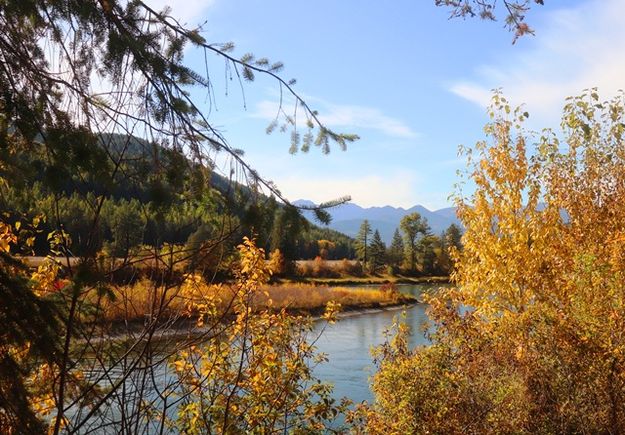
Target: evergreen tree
513 12
285 236
127 228
453 237
450 238
362 241
395 254
377 252
75 77
27 322
426 248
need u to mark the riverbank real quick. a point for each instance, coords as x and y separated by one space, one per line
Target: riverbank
185 327
367 280
309 298
131 303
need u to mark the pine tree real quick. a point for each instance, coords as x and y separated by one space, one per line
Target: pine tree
29 325
426 248
75 76
287 228
362 242
377 252
453 237
450 239
513 12
395 254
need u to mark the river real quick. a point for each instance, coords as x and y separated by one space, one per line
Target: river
348 345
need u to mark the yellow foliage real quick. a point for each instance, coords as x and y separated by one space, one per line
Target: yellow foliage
255 376
532 338
7 237
45 277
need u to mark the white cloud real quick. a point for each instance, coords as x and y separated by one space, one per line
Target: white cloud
365 117
472 92
189 12
398 189
574 49
345 116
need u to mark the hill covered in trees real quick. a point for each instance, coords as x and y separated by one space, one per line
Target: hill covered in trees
158 196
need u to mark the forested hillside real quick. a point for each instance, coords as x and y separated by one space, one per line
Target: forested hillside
157 197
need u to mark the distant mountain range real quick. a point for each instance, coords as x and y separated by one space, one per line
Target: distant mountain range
347 218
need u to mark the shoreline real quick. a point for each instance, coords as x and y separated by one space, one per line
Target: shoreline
187 328
369 280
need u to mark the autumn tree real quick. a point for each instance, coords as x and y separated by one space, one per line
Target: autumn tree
541 349
266 385
413 226
362 241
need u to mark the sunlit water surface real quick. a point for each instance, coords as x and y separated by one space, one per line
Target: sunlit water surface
348 345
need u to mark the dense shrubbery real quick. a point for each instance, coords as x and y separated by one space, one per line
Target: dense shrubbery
320 268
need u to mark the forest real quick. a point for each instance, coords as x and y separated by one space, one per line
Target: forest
142 210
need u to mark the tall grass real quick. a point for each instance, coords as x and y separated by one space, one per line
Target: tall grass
310 297
145 298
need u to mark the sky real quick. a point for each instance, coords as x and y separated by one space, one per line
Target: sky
411 83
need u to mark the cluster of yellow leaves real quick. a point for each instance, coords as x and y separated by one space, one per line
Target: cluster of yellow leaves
7 237
45 278
277 263
11 234
532 339
201 299
255 376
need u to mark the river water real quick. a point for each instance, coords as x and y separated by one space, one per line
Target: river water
348 345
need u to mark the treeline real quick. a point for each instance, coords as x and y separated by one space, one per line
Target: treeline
414 250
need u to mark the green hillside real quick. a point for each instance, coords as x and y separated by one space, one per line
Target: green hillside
156 196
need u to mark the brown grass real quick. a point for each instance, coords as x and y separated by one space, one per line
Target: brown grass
309 297
144 299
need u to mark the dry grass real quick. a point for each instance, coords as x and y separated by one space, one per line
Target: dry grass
309 297
145 299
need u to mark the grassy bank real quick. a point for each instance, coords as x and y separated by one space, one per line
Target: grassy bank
368 279
134 302
352 272
305 297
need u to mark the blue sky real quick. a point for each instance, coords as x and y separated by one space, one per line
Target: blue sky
413 84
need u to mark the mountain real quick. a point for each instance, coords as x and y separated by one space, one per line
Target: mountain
348 217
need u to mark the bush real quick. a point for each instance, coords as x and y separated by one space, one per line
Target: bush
321 269
350 268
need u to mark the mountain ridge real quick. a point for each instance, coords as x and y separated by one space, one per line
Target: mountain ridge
348 217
